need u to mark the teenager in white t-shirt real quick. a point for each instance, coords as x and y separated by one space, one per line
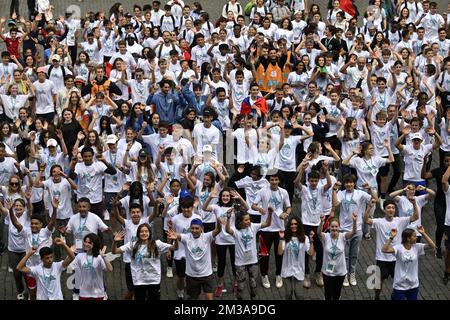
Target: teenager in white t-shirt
351 201
48 273
311 197
181 223
227 199
277 199
294 245
406 275
405 203
197 244
145 261
91 266
245 233
35 237
383 227
334 266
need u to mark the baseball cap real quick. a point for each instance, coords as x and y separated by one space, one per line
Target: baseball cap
417 135
51 143
143 152
79 79
185 194
111 139
297 12
208 112
197 222
41 69
56 57
207 148
11 21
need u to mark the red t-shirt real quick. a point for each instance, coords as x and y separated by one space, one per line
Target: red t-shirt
12 46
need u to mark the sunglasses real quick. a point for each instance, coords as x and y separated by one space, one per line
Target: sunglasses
14 183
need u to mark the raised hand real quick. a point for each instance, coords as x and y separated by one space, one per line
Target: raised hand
406 130
55 203
59 241
393 233
119 236
421 229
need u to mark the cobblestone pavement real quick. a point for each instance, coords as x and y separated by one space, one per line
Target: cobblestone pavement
430 270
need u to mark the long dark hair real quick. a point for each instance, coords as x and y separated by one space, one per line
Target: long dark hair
95 243
136 186
108 129
300 234
151 244
348 129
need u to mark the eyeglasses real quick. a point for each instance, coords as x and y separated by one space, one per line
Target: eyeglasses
14 183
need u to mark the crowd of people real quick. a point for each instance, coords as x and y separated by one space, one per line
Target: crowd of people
206 138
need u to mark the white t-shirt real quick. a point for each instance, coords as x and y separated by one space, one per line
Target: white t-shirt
114 182
377 137
131 235
90 180
145 269
223 238
16 242
11 105
367 170
182 225
44 96
246 253
243 150
311 205
383 229
286 157
198 254
204 136
278 200
327 203
35 240
91 270
349 203
80 227
406 274
63 192
414 161
406 209
294 259
125 203
7 168
252 188
334 255
48 281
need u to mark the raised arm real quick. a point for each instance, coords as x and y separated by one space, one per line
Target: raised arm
349 235
367 218
268 221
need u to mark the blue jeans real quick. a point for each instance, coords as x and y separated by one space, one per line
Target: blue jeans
410 294
352 250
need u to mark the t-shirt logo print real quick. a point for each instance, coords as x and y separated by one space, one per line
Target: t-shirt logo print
246 239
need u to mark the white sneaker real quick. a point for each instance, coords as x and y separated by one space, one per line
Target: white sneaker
319 279
307 282
346 284
105 297
75 296
279 282
169 272
21 296
266 282
353 279
10 270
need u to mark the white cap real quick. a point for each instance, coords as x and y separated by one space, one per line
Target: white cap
111 139
56 57
51 143
417 135
207 148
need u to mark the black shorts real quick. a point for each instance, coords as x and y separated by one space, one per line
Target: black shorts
195 285
180 268
209 226
387 268
384 170
334 142
447 237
